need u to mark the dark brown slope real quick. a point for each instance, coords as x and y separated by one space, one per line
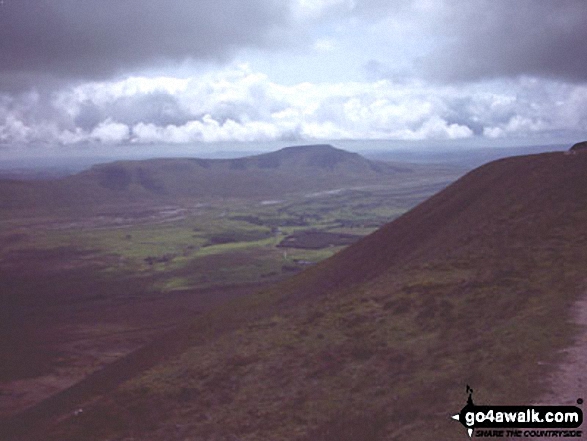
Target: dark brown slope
526 196
579 147
471 287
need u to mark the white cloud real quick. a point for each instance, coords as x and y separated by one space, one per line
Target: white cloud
207 130
14 130
517 126
438 128
313 9
71 136
325 45
110 132
238 104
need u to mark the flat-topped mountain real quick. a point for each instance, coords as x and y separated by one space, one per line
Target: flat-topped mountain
311 157
289 170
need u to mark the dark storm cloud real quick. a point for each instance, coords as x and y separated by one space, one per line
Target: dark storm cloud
90 39
504 38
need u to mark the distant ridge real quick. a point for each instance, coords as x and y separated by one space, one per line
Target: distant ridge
289 170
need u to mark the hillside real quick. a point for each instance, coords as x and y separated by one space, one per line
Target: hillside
292 170
473 286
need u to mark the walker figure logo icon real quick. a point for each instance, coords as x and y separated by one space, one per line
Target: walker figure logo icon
476 418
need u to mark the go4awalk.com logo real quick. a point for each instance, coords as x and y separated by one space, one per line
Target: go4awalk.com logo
520 421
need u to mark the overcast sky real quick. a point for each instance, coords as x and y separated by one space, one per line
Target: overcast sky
114 72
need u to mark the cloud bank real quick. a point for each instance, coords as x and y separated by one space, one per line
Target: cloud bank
238 104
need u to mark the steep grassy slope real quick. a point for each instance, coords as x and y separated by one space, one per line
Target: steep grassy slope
474 286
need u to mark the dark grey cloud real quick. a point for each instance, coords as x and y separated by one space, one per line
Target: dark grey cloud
482 39
504 38
92 39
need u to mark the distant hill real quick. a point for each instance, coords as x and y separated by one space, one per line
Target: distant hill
289 170
473 287
579 147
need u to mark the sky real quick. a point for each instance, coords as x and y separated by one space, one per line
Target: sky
142 73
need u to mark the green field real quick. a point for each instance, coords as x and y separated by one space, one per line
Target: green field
177 252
